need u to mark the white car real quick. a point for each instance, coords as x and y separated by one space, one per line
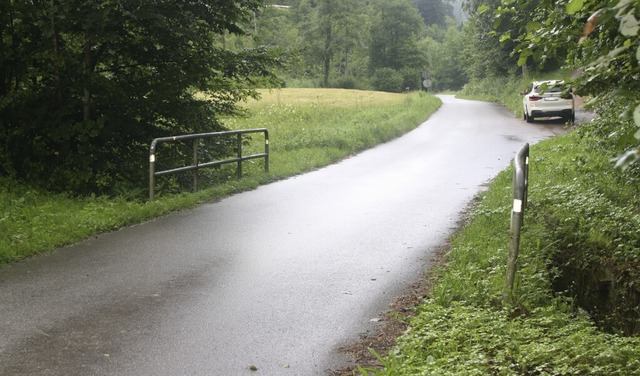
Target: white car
548 99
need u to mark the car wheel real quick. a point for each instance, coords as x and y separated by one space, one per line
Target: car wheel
528 118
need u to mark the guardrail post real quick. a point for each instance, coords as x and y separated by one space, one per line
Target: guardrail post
195 163
152 170
239 148
266 150
520 188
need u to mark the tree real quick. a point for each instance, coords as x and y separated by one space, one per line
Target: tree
87 85
488 55
387 79
434 12
601 41
394 34
334 33
447 59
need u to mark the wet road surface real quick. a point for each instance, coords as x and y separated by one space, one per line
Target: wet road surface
277 278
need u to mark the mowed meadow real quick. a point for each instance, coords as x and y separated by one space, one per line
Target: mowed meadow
308 129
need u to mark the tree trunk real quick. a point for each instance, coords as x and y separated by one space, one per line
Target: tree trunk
328 41
86 97
54 42
327 69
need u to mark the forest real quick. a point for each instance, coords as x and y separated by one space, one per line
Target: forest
379 45
85 86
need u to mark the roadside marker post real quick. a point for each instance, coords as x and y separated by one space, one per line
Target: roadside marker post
520 189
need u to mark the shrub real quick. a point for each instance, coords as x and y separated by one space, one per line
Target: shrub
347 82
387 79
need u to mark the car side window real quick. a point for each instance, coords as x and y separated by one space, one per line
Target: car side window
529 88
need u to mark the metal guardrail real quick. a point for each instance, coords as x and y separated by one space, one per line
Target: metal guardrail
520 189
196 165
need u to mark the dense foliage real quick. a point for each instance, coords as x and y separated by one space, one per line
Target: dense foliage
344 44
599 40
85 86
393 37
434 12
489 57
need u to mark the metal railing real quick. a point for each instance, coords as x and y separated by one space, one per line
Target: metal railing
520 188
196 165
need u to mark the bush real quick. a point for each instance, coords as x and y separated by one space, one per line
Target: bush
347 82
387 79
590 232
411 79
609 132
503 90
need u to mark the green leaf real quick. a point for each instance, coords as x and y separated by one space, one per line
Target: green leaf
617 51
574 6
533 25
483 8
622 4
636 115
504 38
522 60
629 26
638 54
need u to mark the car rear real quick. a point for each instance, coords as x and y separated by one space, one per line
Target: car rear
548 99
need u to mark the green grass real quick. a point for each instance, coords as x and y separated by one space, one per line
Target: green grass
309 128
581 231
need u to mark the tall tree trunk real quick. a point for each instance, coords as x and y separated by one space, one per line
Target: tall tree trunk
327 69
54 42
326 54
86 97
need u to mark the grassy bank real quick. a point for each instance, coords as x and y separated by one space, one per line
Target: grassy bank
575 310
308 129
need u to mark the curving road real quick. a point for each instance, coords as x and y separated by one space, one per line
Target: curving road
275 279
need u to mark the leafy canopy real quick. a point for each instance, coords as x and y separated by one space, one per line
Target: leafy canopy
85 86
600 41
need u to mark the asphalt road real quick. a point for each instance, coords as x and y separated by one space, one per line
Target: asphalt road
277 278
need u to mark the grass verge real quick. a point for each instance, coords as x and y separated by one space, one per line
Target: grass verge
309 128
